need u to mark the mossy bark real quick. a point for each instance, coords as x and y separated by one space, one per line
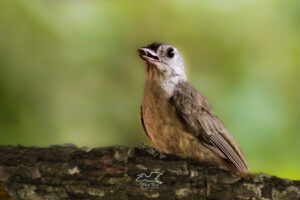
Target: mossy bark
68 172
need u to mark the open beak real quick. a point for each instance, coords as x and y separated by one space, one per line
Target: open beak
148 55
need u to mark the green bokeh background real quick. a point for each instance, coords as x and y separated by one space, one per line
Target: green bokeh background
70 73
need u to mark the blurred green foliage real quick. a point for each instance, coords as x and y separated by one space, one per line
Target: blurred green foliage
70 73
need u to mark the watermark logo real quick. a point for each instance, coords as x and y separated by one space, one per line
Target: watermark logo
150 181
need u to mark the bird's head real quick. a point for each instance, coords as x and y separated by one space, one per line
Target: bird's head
163 58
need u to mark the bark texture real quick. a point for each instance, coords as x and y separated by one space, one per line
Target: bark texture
68 172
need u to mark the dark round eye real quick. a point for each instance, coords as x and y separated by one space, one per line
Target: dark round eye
170 52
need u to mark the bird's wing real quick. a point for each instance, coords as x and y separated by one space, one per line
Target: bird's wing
195 112
143 123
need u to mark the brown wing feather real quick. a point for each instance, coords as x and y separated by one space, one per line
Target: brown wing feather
143 123
195 112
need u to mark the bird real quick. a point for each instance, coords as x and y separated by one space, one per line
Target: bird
178 119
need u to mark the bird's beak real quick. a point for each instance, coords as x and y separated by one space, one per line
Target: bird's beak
148 55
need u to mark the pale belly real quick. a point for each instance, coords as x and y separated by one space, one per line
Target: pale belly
167 131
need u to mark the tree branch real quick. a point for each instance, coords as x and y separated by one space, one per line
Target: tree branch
69 172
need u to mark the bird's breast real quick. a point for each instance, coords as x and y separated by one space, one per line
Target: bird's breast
164 127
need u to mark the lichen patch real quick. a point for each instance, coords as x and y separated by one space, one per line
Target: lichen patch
73 171
182 192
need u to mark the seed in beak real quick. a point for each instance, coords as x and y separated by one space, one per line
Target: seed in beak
146 53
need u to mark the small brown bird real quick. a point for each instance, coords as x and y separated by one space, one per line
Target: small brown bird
178 119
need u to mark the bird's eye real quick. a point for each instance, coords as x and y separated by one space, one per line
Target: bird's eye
170 52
